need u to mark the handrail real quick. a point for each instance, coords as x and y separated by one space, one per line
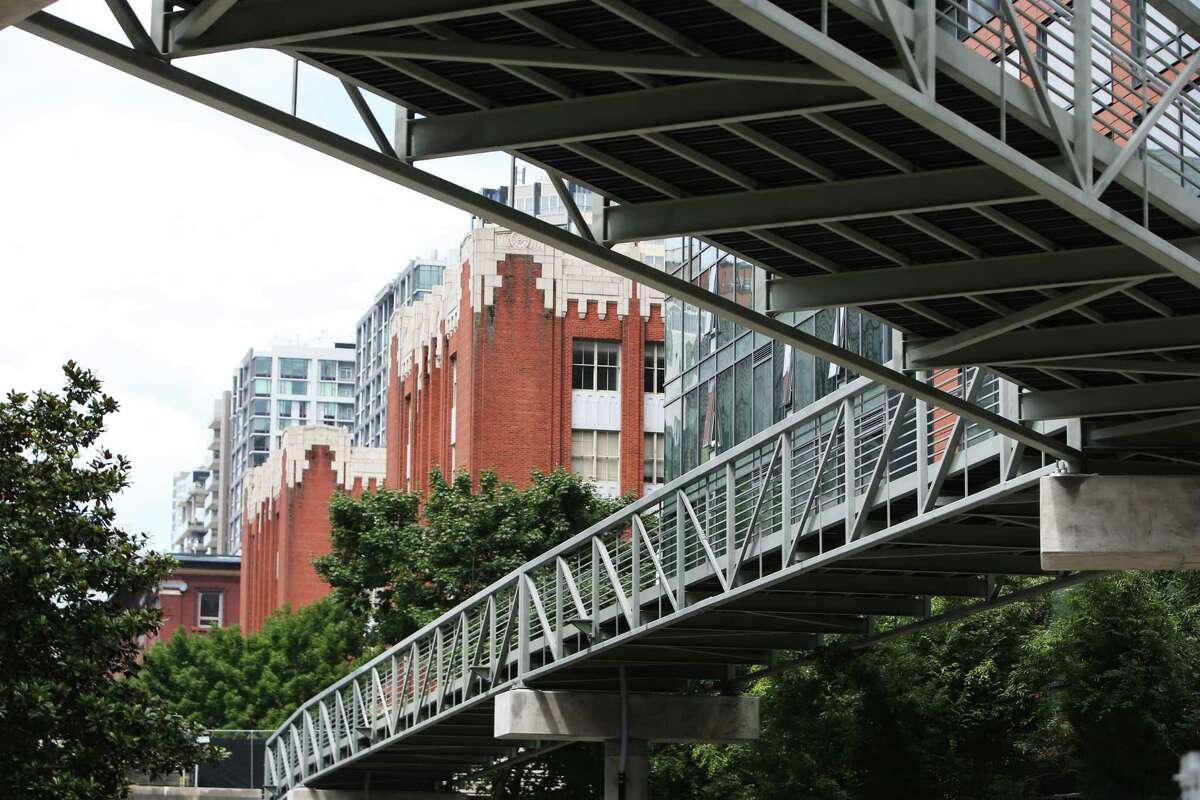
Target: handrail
804 484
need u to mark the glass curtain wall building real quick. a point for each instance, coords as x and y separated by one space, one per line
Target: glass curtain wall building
274 390
373 355
724 383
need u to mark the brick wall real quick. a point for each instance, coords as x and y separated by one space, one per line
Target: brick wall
507 318
286 523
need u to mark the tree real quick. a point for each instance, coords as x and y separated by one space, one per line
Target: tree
949 712
1126 652
398 569
224 680
71 723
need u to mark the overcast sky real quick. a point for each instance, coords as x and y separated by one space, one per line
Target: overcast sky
154 240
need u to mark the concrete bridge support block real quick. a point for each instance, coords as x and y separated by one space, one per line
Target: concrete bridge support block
529 715
1118 522
304 793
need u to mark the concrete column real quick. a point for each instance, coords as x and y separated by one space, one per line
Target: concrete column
529 715
637 769
1111 522
304 793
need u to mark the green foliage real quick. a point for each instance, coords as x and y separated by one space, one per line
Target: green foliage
1127 654
1096 690
397 566
222 679
398 569
72 726
941 713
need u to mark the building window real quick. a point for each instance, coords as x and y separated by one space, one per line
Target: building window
596 455
652 458
211 609
262 367
293 368
328 412
293 387
326 389
655 367
262 387
595 365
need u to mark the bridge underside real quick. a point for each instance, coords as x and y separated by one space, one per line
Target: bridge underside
789 134
910 160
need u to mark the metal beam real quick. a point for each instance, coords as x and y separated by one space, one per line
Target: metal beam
132 26
1134 398
1135 366
951 279
1112 338
947 346
1038 80
472 52
787 29
200 19
266 23
237 105
14 11
813 203
1134 434
621 114
1148 123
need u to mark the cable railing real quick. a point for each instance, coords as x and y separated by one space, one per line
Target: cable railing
856 462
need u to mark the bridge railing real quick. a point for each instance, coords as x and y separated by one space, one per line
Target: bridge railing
862 458
1134 58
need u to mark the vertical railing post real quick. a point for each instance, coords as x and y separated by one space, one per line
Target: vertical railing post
558 604
595 637
1081 28
849 446
922 444
635 588
522 627
731 549
680 558
786 490
924 44
1008 410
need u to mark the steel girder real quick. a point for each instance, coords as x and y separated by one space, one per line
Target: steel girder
978 276
809 42
819 203
14 11
398 171
621 114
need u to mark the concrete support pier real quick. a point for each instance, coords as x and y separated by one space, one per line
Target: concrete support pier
304 793
529 715
1117 522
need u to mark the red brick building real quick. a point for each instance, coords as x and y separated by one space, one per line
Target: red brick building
204 593
286 523
524 358
528 358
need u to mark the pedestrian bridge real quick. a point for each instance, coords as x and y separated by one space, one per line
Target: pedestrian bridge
844 519
1011 184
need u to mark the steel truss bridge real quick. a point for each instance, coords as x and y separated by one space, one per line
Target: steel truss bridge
1010 183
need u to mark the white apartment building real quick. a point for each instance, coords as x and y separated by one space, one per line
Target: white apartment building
372 356
278 388
189 528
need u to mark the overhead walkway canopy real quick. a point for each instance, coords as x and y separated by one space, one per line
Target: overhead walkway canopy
975 172
1010 184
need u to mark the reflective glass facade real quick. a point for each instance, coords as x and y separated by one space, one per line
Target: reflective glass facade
724 383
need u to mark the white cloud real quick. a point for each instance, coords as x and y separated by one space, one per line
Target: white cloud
154 241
